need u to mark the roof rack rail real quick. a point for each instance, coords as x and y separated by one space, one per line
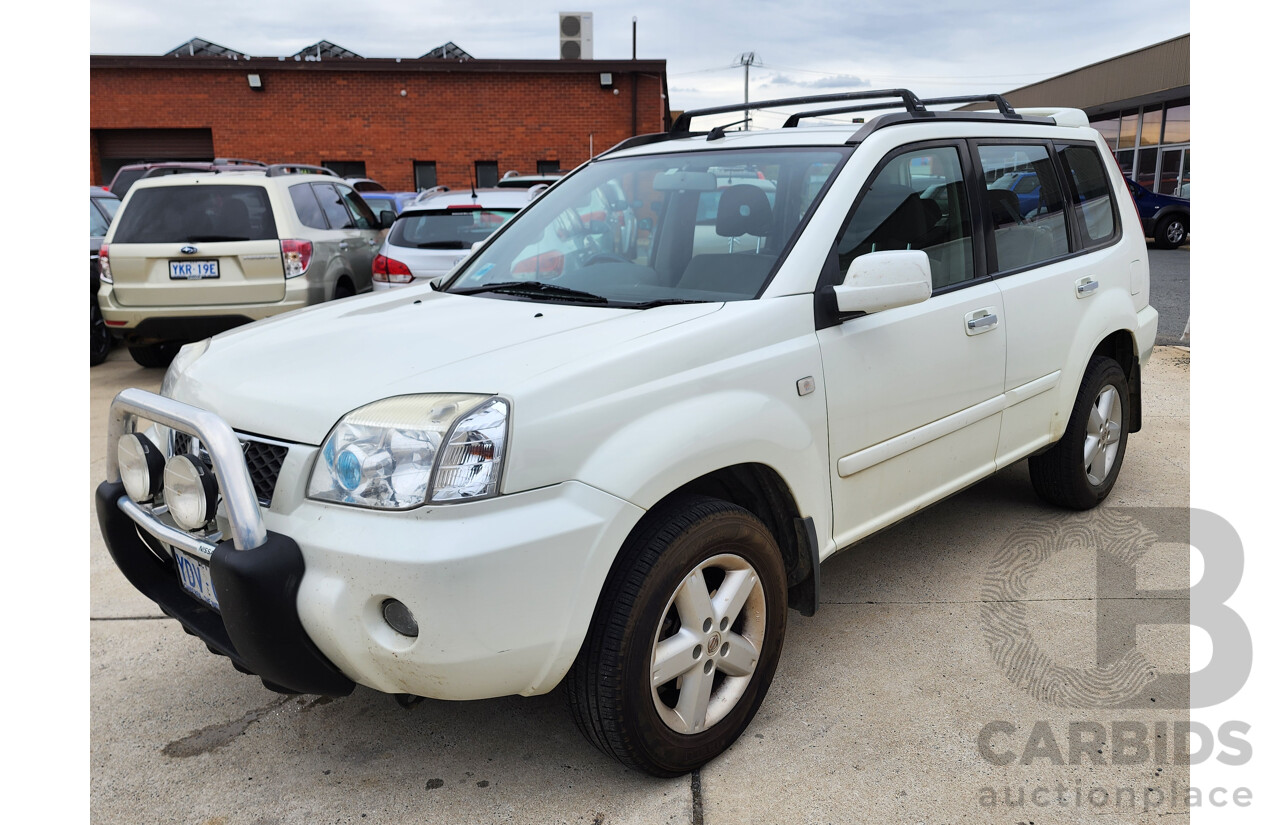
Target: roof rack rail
239 162
909 100
428 193
278 169
1001 103
915 109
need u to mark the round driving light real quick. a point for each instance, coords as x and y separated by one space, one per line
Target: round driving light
396 614
191 491
141 466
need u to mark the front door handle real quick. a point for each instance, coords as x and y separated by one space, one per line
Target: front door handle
980 321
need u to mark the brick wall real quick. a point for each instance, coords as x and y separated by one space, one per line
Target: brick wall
453 118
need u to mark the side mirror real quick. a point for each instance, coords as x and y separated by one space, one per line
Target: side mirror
884 280
385 218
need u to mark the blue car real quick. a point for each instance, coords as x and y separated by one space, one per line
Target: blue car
395 201
1026 185
1165 219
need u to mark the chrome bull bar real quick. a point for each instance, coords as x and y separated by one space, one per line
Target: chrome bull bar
234 484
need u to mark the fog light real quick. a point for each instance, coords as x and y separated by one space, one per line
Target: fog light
141 466
191 491
399 617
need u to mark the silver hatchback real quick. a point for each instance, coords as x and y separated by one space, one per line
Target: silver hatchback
439 229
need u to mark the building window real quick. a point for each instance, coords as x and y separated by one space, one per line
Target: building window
424 174
1177 124
1150 134
1109 129
486 173
548 167
1145 174
1128 131
345 168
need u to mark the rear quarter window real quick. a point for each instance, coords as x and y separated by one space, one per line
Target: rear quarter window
190 214
1090 194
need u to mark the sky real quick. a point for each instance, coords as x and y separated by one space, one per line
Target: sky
933 47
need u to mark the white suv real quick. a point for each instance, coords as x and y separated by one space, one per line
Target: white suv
618 463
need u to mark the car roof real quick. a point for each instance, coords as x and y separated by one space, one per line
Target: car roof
483 198
99 192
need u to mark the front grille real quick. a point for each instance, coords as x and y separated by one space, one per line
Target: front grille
263 458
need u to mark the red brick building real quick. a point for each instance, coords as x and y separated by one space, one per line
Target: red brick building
406 123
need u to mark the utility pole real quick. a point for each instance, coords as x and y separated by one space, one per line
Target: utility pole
746 60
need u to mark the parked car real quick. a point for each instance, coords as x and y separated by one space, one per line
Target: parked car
515 180
363 185
102 208
193 255
127 176
438 229
395 201
1026 185
1165 219
622 471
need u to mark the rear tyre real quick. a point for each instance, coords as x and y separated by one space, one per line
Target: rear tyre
1080 470
1171 232
343 289
155 355
99 334
685 639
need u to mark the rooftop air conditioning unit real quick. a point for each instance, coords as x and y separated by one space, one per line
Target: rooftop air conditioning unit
575 35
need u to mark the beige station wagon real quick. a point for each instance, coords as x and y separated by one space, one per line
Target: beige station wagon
193 255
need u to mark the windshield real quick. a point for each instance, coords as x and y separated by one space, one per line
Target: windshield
642 231
456 228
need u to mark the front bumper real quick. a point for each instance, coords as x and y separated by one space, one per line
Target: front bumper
503 589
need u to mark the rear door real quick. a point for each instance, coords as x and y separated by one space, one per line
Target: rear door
1051 269
196 245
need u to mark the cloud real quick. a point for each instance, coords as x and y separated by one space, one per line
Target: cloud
839 81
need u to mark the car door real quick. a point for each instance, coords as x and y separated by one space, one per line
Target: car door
1047 278
344 239
361 249
914 393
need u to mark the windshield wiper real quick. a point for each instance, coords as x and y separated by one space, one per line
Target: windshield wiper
535 289
662 302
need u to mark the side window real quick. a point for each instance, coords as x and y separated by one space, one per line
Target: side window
363 214
1029 226
97 222
1090 195
331 203
304 203
918 201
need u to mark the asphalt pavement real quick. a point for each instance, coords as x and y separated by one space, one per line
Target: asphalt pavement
906 699
1171 292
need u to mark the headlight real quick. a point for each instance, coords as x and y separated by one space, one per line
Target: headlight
383 455
185 357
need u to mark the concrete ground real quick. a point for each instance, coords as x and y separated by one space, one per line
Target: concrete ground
877 712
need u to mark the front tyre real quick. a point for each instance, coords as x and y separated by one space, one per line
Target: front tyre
1080 470
685 638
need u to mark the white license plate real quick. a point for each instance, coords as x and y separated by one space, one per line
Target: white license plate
195 578
192 270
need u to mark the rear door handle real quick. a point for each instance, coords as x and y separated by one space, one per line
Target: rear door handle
1085 287
980 321
342 244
